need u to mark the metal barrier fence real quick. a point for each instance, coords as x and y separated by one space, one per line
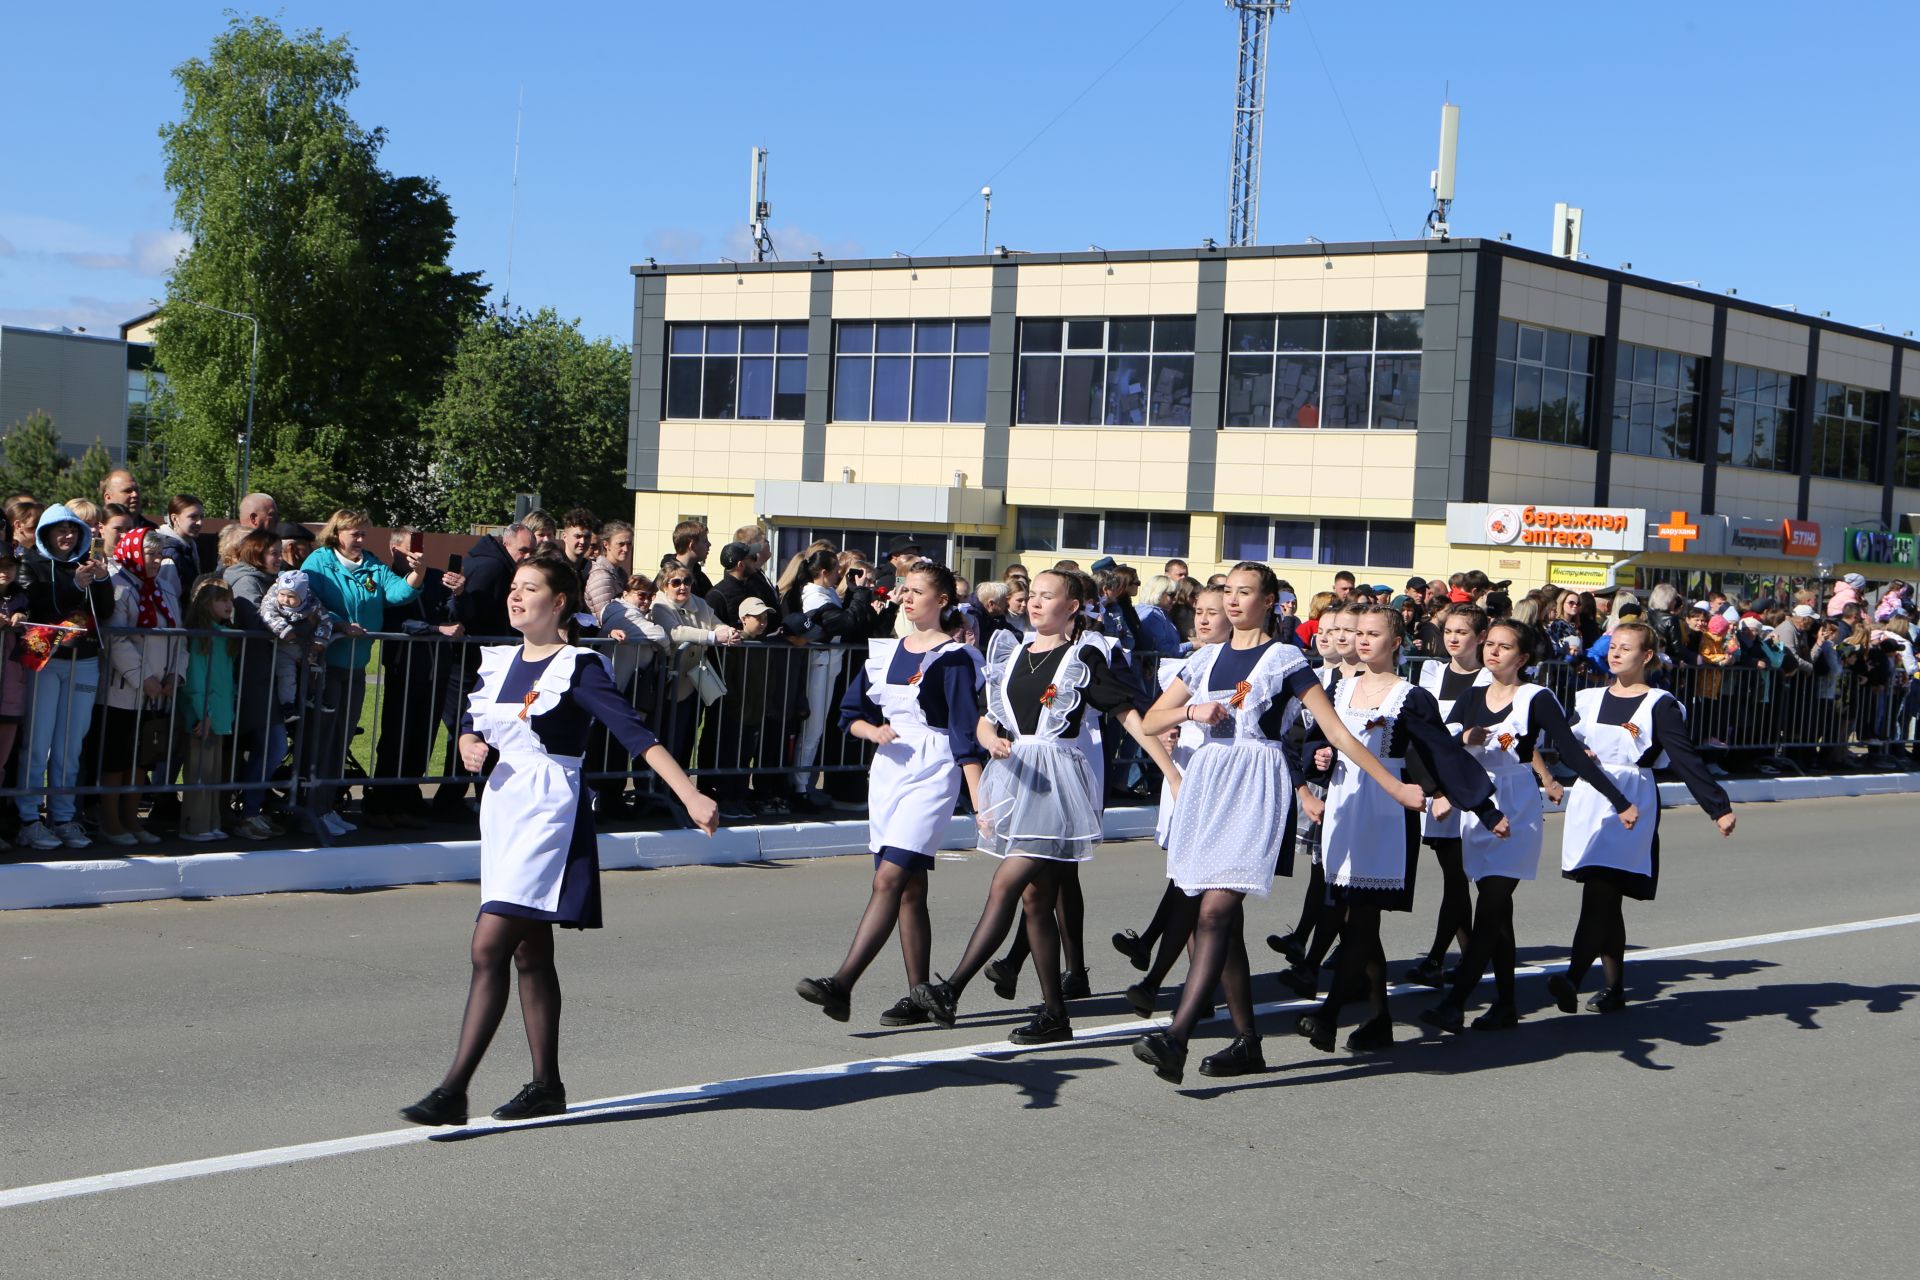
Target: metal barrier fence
756 723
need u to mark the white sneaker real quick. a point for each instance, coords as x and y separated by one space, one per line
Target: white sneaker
203 837
38 835
122 838
145 836
72 835
336 825
253 828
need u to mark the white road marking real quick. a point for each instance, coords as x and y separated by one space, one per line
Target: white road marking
299 1152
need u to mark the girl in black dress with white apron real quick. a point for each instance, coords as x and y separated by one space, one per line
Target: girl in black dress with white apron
1462 631
534 704
917 701
1500 723
1369 848
1233 821
1631 729
1042 792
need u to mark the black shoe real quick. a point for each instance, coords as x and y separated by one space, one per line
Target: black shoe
537 1098
1500 1017
1564 993
1004 977
1141 999
1446 1017
939 1000
904 1013
834 1000
1302 981
1074 985
1168 1060
1290 946
1428 973
1137 950
1371 1036
1046 1028
1318 1029
438 1107
1608 1002
1240 1058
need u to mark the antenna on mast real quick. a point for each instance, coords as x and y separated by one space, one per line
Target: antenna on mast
1249 111
1442 179
759 209
513 218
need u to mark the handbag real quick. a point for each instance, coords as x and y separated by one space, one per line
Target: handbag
156 736
707 682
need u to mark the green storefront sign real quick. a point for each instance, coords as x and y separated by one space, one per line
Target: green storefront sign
1878 547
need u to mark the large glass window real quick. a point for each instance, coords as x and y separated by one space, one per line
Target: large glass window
1656 402
910 371
869 542
748 371
1542 384
1846 430
1757 418
1380 544
1906 444
1114 533
1124 372
1343 370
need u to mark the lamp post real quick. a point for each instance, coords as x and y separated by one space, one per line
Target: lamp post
253 377
1822 571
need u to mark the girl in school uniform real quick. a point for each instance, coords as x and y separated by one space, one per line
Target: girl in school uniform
917 700
1042 788
1462 631
1368 869
1631 729
534 703
1233 820
1500 722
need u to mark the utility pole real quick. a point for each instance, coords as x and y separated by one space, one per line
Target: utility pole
1249 109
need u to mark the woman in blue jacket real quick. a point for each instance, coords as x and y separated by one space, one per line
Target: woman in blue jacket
355 587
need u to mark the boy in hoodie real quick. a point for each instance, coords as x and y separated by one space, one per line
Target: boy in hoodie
303 628
59 585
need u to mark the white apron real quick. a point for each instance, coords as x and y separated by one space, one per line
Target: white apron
1431 672
532 798
1045 799
914 781
1516 790
1594 837
1362 839
1191 736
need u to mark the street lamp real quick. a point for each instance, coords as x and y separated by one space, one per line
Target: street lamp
253 377
1822 571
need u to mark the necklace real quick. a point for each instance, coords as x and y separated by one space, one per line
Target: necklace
1033 666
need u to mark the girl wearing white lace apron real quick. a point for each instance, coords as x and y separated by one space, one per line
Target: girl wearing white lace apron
917 700
534 704
1041 786
1499 723
1462 631
1367 846
1632 730
1233 821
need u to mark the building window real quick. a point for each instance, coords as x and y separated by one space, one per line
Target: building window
1846 430
1380 544
1656 402
1757 418
1542 384
1114 533
1906 444
871 543
910 371
1123 372
737 371
1324 370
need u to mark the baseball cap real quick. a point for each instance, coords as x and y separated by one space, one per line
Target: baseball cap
1416 584
734 553
1804 611
287 531
754 605
1701 606
903 543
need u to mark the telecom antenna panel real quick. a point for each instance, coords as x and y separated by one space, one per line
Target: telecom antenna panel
1442 179
1249 108
759 209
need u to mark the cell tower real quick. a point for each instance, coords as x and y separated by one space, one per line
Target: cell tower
759 209
1249 108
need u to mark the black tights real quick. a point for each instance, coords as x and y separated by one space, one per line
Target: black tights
1456 903
899 897
528 946
1363 963
1162 914
1601 934
1320 918
1175 917
1035 885
1071 915
1219 957
1491 940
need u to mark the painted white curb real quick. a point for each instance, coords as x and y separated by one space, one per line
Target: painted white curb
25 885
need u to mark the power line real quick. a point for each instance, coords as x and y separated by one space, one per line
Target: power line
1358 150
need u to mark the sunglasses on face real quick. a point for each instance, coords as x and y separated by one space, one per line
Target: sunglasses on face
676 582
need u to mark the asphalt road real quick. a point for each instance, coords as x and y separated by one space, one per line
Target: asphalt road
1752 1115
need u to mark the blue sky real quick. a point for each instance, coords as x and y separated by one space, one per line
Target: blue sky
1745 145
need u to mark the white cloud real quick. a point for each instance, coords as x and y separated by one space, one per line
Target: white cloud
102 316
676 244
792 244
155 252
146 253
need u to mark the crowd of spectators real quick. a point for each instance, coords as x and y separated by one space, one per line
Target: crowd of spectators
153 676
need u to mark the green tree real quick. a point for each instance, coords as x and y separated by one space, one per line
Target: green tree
31 460
294 222
84 477
530 405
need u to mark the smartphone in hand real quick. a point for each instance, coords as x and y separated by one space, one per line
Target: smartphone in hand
416 542
454 562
